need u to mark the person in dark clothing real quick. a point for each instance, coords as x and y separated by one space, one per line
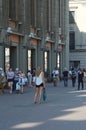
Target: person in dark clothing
80 79
65 77
73 76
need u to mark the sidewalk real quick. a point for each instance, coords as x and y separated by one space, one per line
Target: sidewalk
65 109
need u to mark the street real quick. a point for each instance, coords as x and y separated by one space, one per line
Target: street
64 109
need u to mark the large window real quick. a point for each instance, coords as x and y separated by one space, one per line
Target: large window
29 59
7 58
71 17
13 9
72 40
58 60
45 61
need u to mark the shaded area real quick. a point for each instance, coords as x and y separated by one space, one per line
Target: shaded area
65 108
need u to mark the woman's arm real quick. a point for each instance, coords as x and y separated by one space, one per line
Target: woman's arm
43 79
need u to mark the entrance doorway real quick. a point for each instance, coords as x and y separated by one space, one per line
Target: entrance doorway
31 59
7 58
10 57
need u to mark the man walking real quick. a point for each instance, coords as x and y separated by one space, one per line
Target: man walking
65 77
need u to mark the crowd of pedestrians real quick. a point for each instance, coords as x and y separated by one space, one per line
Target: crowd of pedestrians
10 79
76 76
16 80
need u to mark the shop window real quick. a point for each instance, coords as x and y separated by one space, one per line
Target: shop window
72 40
71 17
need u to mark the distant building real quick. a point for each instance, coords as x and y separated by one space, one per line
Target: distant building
34 33
77 33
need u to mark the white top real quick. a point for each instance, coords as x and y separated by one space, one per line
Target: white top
22 81
28 74
55 73
39 79
10 75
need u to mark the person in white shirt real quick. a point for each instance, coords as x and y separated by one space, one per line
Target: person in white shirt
2 80
40 84
55 75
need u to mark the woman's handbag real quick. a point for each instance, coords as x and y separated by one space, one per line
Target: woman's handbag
44 94
17 86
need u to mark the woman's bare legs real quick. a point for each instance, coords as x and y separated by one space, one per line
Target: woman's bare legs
10 84
22 89
40 94
36 94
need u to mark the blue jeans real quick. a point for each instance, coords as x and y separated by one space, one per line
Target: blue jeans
65 81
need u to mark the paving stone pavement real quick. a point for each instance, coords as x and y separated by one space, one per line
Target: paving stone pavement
64 109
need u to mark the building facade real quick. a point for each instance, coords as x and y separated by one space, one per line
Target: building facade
77 33
34 33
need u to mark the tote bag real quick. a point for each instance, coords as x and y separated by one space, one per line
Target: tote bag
44 94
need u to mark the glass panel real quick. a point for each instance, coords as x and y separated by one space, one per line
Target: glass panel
72 40
45 61
58 60
71 17
7 58
29 59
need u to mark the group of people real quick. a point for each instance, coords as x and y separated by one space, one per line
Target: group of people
73 74
80 75
17 80
10 79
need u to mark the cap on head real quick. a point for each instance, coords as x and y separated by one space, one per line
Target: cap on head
17 69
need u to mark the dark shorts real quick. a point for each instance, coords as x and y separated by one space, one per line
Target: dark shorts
10 80
40 85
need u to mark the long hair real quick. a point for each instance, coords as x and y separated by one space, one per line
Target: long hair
38 71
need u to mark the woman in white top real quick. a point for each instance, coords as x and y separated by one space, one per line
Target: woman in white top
40 84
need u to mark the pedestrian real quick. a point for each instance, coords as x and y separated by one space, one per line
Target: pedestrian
22 81
80 78
2 80
10 78
40 84
16 78
65 77
29 77
84 79
55 75
73 76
